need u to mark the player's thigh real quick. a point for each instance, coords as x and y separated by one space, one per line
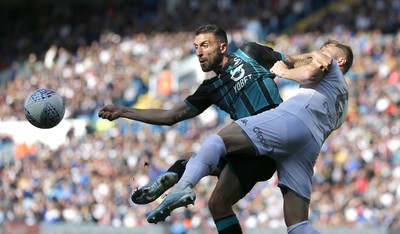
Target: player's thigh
276 133
250 169
236 141
296 172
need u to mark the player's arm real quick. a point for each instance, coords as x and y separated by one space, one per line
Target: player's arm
293 61
307 73
266 56
319 59
179 112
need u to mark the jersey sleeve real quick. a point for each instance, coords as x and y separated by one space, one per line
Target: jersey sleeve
264 55
199 100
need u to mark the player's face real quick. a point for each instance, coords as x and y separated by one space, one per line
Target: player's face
337 55
208 50
330 50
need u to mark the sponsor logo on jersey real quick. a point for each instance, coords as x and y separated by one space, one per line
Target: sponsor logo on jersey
239 76
328 113
237 73
237 61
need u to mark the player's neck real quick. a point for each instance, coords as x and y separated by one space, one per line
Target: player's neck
223 65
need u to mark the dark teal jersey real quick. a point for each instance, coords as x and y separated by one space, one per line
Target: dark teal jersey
245 87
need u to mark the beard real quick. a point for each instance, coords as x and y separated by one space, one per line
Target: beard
213 63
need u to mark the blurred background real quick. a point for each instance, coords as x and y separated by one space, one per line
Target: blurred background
78 176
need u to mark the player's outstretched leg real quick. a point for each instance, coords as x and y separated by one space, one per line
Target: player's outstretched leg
155 188
177 198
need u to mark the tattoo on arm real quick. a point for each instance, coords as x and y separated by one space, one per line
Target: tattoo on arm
185 114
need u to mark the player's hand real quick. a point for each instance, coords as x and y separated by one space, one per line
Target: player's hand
279 68
321 60
110 112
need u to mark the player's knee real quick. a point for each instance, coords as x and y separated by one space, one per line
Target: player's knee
217 144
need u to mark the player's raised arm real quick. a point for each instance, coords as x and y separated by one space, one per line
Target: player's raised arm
319 59
179 112
310 72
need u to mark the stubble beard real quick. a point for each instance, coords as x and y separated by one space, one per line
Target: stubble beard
215 64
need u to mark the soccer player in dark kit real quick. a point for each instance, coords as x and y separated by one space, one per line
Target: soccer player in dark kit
243 86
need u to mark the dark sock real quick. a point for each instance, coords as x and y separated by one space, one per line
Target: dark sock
228 225
178 167
233 229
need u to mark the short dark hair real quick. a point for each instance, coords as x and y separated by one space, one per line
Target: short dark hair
345 50
218 32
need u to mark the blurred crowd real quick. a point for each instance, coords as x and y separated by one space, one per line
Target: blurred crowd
89 178
30 27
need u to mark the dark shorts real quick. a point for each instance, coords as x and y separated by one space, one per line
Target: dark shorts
249 169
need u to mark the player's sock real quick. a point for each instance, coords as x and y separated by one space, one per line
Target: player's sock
202 162
178 167
228 225
302 228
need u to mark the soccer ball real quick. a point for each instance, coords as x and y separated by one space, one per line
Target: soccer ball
44 108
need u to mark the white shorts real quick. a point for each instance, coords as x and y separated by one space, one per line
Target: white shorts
285 138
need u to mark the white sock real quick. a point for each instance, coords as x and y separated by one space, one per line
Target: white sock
202 162
302 228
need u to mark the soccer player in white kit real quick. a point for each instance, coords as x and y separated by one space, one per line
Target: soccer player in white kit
292 134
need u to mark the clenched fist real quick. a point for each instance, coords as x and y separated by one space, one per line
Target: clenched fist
111 112
278 68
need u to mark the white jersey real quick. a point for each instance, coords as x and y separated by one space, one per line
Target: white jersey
321 106
292 134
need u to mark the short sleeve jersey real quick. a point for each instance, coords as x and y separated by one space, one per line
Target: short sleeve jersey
245 87
322 106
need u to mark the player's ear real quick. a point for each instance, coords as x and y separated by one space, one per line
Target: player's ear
341 61
223 47
342 64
